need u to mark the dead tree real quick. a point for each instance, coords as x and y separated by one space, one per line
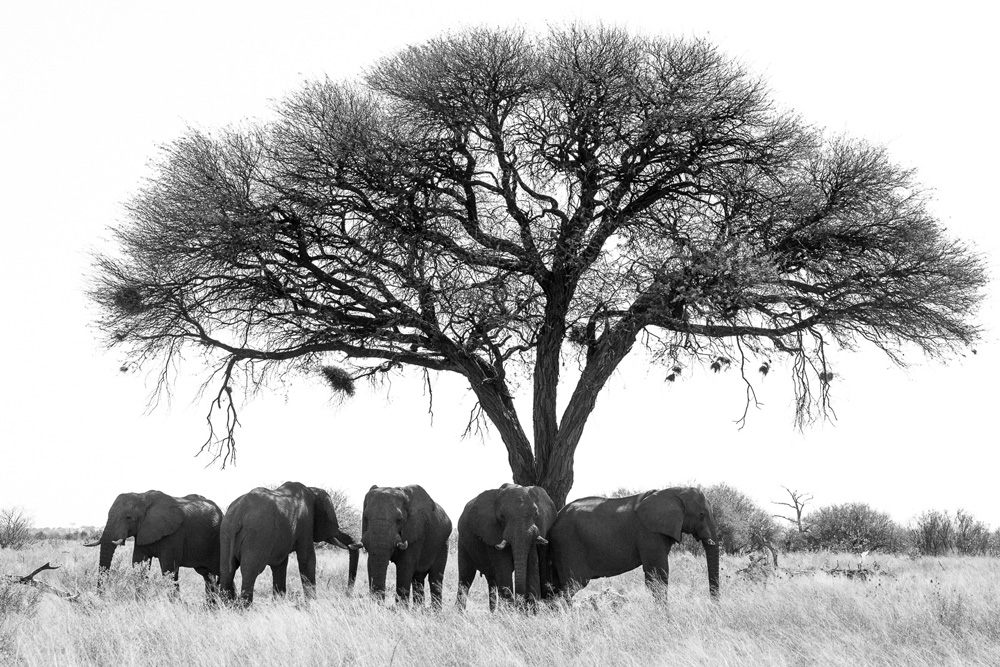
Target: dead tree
798 505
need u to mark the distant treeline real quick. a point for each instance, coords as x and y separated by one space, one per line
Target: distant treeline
745 526
83 533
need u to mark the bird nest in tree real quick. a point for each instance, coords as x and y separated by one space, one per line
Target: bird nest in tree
339 380
128 300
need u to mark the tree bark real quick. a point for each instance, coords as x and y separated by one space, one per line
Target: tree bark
556 467
496 402
546 377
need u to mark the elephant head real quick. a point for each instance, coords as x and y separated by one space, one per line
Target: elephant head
675 511
393 519
148 517
326 528
518 517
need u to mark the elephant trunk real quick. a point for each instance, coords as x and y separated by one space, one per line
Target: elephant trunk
712 558
523 541
380 542
378 564
521 547
107 553
352 568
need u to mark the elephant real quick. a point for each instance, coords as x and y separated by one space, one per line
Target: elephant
179 532
603 537
404 525
502 533
264 526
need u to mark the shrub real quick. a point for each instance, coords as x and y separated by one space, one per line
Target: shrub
936 533
16 531
743 525
348 514
972 537
856 527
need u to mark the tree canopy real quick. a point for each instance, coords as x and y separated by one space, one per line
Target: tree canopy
494 202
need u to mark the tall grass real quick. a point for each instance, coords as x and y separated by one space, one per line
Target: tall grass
916 612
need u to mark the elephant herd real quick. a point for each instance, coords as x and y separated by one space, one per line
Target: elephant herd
513 536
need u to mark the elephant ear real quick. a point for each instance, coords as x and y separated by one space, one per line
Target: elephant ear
489 527
546 509
325 524
661 512
418 512
163 517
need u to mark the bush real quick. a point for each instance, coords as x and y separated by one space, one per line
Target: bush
856 527
16 531
936 533
972 537
348 514
743 525
796 540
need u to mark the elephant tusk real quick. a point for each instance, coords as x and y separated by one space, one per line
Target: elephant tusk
402 545
541 540
502 545
710 542
355 546
92 544
119 543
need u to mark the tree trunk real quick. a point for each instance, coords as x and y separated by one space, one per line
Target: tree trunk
556 461
548 355
495 400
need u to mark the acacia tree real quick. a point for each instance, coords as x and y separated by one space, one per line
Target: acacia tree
493 203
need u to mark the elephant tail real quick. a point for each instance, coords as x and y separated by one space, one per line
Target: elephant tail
227 564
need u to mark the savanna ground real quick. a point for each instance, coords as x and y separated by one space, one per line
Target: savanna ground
928 611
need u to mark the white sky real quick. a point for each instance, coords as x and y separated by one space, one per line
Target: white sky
88 90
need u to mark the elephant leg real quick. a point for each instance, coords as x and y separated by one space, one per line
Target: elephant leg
654 550
307 570
227 578
533 585
466 575
502 563
418 590
170 565
656 580
437 590
404 580
491 585
211 583
249 571
279 577
436 576
569 580
142 558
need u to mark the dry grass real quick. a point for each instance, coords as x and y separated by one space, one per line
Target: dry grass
923 612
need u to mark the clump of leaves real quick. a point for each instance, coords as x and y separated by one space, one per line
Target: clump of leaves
720 363
128 300
339 380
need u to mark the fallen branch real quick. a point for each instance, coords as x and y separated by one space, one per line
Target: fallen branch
29 580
